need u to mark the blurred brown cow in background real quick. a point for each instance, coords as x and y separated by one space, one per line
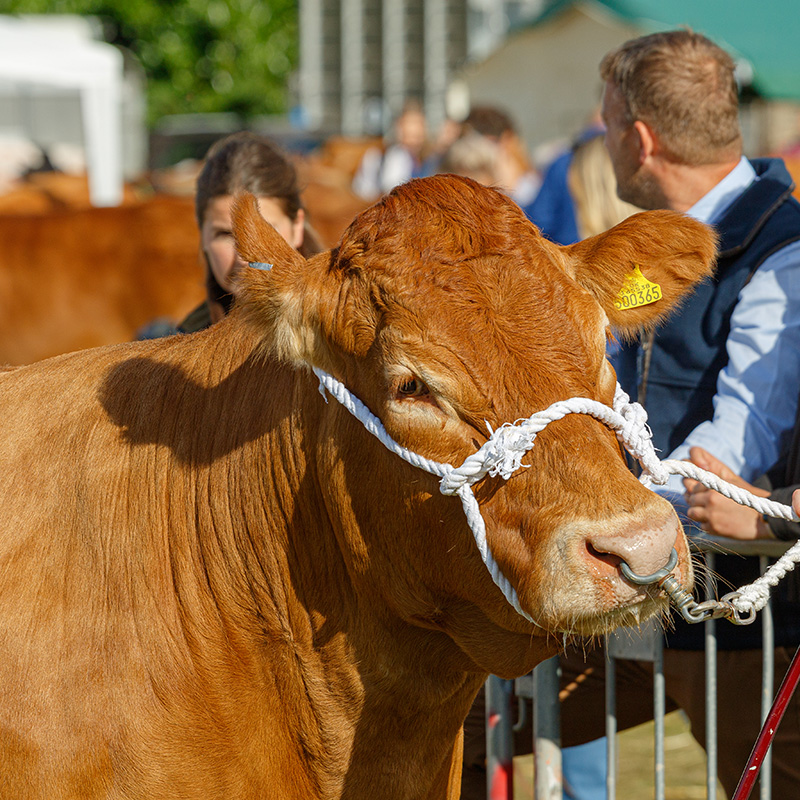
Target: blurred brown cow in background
73 276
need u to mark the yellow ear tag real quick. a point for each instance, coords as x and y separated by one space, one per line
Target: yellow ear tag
637 291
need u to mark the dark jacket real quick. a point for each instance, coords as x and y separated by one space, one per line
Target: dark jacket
688 352
196 320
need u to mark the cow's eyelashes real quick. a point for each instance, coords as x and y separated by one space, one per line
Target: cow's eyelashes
412 387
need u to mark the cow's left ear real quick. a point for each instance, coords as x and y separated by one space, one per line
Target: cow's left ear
640 269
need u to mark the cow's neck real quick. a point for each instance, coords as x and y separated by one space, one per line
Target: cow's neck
270 582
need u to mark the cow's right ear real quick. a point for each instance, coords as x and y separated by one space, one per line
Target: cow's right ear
640 269
257 242
289 299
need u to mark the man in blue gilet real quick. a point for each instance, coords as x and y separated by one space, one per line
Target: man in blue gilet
723 373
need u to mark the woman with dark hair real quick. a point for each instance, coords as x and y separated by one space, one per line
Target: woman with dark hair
248 162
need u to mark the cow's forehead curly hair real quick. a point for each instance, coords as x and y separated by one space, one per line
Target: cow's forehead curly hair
683 86
445 219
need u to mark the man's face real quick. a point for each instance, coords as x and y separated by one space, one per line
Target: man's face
635 184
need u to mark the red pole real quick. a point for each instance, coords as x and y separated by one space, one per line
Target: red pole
767 734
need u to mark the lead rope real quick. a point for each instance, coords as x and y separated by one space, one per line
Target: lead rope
742 605
501 455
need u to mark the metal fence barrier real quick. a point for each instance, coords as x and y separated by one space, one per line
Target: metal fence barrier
542 686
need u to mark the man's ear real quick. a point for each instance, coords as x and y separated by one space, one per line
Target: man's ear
648 142
640 269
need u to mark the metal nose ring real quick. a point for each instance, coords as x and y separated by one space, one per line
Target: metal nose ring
655 577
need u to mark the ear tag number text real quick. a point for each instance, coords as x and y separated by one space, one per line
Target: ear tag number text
637 291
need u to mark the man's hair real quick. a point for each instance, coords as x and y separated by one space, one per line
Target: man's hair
682 85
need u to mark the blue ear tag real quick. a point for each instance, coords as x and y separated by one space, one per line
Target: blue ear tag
260 265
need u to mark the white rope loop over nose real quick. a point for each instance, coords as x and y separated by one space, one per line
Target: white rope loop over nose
501 455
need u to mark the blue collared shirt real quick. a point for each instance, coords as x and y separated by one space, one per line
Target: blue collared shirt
757 392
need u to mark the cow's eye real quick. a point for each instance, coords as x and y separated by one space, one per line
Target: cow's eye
412 387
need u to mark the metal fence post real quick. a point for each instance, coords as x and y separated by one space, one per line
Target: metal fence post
499 739
659 707
611 725
546 732
644 643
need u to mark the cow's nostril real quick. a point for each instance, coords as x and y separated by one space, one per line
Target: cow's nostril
644 548
611 559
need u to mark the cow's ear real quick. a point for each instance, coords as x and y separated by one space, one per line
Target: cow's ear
640 269
289 299
257 242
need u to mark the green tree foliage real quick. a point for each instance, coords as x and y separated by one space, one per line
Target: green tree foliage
198 55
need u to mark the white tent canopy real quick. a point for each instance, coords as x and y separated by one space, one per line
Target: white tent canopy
63 57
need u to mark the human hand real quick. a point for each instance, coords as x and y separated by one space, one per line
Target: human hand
718 514
796 502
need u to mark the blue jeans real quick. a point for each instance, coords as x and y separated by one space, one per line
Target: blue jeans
584 771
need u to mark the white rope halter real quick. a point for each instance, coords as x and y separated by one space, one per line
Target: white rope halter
502 455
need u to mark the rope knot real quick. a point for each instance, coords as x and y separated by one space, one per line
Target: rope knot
635 431
506 448
452 481
501 455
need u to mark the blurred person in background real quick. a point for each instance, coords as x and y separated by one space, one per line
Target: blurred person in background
472 156
381 170
240 162
449 132
516 175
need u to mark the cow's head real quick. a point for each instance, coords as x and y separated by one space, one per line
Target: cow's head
443 309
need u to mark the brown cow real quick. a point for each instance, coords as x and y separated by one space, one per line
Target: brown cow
73 276
41 192
216 584
83 277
